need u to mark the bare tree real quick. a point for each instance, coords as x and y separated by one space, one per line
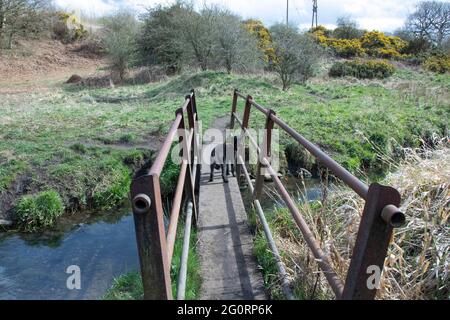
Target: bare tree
197 32
297 55
236 48
20 17
347 28
431 21
120 34
159 42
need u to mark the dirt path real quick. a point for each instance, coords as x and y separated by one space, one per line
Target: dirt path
228 266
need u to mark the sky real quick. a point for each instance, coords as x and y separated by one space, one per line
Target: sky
383 15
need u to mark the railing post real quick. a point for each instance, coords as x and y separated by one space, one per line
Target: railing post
197 145
266 152
151 237
188 156
233 108
241 141
372 243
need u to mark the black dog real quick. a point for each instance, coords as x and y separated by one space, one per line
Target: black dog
222 157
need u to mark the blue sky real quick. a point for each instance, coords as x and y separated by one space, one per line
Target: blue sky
384 15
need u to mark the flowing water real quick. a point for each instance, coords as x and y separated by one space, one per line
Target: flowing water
103 247
34 266
306 190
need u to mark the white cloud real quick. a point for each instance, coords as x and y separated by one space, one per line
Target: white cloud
385 15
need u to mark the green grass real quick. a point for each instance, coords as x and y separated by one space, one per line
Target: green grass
85 143
129 286
39 211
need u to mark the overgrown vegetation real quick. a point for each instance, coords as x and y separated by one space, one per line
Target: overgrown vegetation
297 55
39 211
120 32
417 261
361 69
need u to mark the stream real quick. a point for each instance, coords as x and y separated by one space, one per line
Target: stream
103 246
34 266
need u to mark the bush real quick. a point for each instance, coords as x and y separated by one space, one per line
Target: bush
345 48
377 44
362 69
438 63
40 211
265 43
67 28
297 55
120 34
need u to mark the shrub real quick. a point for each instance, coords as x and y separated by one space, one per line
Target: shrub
297 55
265 43
438 63
68 28
39 211
362 69
347 28
345 48
119 39
379 45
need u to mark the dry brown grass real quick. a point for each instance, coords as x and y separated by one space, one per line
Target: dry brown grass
418 259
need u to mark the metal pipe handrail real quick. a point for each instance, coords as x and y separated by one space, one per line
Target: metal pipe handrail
155 245
182 277
175 212
160 160
380 215
334 280
323 261
359 187
273 247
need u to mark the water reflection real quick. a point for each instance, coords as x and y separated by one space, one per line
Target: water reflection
33 266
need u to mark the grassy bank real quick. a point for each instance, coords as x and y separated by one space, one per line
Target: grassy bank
84 143
417 261
129 286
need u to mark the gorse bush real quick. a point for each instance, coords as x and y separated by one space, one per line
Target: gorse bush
264 38
68 28
374 43
438 63
39 211
377 44
345 48
362 69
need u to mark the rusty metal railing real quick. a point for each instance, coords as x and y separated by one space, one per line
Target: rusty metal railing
155 246
380 215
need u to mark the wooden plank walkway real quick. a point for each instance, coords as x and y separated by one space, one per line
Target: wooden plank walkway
228 267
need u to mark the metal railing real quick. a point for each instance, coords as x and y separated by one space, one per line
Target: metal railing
155 246
380 215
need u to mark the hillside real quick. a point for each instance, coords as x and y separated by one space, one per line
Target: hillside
35 65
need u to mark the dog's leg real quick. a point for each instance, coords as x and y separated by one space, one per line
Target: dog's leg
232 170
211 174
224 177
228 170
